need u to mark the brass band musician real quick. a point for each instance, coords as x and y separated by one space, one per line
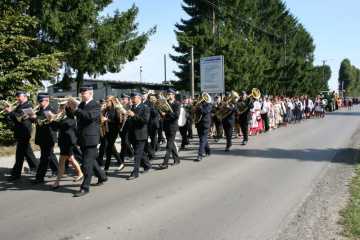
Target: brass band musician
22 133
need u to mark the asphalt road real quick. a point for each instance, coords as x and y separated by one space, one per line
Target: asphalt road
246 193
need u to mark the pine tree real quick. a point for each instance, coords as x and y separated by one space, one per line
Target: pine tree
94 45
263 45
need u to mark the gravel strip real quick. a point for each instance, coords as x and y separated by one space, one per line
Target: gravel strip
318 214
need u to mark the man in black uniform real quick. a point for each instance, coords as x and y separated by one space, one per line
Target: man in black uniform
217 121
45 137
139 115
153 123
203 111
22 133
229 120
185 129
124 131
245 104
171 126
88 137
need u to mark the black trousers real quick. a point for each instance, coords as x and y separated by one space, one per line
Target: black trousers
89 165
125 146
160 131
184 134
111 150
47 158
244 125
190 130
170 148
149 150
24 150
140 157
77 153
204 145
153 134
219 127
228 129
265 119
103 145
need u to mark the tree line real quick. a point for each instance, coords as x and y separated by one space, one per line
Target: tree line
263 44
349 79
38 38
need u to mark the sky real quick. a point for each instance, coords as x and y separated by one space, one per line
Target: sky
331 23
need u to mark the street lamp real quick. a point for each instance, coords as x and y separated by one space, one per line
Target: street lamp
324 66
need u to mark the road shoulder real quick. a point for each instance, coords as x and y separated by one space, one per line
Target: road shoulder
317 216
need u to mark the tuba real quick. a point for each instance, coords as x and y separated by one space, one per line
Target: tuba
223 113
242 107
204 97
162 105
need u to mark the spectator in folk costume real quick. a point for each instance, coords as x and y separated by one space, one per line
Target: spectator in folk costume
319 111
297 106
277 112
289 107
256 120
283 110
308 106
271 114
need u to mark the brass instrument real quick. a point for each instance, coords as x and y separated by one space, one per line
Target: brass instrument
23 117
102 127
56 117
162 105
123 112
204 97
53 99
242 107
12 105
224 112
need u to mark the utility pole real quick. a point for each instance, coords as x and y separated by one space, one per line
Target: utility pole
192 72
165 67
140 77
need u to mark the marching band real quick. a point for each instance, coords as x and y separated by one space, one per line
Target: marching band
136 118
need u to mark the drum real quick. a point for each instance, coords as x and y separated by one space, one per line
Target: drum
182 117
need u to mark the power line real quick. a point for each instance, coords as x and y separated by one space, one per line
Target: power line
255 25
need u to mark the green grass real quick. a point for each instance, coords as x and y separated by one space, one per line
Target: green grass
351 215
8 150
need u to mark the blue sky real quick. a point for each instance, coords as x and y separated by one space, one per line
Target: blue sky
331 23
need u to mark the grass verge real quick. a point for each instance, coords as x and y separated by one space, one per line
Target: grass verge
10 150
351 215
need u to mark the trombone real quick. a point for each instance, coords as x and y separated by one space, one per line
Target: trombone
12 105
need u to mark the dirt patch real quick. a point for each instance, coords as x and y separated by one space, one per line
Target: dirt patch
318 215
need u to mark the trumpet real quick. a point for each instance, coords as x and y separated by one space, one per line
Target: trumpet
53 99
12 105
56 117
23 117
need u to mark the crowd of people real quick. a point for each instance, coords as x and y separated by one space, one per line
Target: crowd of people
141 123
